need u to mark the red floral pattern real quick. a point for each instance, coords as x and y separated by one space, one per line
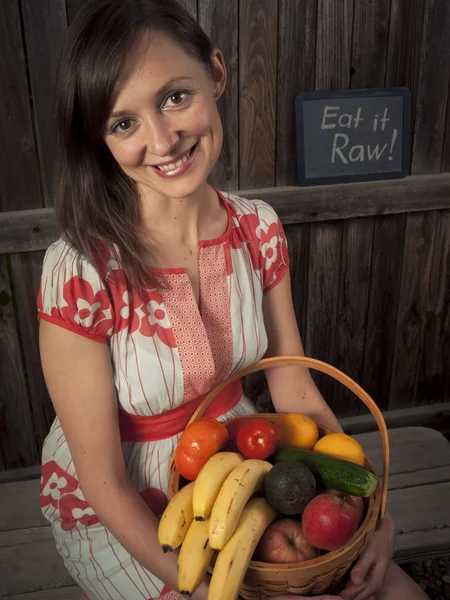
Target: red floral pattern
74 510
55 483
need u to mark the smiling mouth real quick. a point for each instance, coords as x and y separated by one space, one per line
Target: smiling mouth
177 164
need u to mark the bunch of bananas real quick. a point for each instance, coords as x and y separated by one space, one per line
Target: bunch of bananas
215 513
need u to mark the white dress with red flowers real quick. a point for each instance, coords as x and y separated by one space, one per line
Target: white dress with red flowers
166 350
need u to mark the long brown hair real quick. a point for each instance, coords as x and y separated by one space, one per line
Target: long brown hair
94 198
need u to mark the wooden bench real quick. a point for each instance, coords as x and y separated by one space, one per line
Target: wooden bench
419 501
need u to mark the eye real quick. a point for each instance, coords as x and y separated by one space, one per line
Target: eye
175 99
122 126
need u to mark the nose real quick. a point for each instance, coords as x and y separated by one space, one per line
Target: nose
161 138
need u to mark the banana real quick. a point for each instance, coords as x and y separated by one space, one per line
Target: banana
176 519
210 480
243 481
194 558
233 560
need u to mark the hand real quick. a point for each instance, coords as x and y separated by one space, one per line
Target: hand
367 576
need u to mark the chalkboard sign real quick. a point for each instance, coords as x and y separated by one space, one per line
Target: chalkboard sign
352 135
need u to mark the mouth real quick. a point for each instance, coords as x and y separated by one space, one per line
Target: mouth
178 167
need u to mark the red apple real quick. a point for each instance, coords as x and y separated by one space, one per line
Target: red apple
356 501
329 521
284 542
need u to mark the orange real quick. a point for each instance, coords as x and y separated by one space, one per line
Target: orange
341 446
297 430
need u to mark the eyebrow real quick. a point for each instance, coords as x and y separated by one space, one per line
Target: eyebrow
160 93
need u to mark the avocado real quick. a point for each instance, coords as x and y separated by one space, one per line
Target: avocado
289 486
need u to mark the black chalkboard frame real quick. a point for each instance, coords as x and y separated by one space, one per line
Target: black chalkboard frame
404 92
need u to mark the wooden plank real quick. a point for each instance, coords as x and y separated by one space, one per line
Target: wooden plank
445 167
412 449
405 39
65 593
385 276
257 110
296 73
413 304
370 41
20 474
431 386
323 289
434 416
73 6
350 330
422 520
423 477
26 566
220 23
298 246
19 503
25 291
19 445
17 150
45 25
22 231
433 88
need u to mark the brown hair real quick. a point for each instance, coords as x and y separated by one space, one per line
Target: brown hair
94 198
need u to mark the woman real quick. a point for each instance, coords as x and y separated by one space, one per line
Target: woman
159 287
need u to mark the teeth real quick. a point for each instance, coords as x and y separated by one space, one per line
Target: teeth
173 166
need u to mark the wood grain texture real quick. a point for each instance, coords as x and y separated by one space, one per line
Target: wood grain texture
405 40
298 246
445 167
413 304
26 291
350 333
432 383
322 305
295 73
387 261
19 180
370 41
66 593
32 230
220 23
257 111
190 6
434 78
19 504
45 24
17 441
29 561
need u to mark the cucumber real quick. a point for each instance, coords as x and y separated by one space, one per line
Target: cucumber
334 473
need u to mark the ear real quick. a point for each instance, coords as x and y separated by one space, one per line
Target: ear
219 72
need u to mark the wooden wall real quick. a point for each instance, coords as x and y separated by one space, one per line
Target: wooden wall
370 262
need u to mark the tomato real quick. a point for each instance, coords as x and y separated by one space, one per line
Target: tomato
258 438
199 441
233 428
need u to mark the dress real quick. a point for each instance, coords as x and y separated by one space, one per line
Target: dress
166 350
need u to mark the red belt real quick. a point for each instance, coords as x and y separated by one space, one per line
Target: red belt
137 428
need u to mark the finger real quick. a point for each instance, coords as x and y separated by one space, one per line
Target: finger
351 591
359 572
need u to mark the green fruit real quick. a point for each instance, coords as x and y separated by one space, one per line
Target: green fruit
289 486
334 473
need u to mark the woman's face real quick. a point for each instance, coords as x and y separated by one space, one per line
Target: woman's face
164 129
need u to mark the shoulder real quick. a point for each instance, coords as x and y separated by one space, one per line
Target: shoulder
257 212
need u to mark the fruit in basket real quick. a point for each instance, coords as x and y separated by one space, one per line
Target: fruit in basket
233 428
194 558
243 481
329 521
297 430
289 486
257 438
210 480
334 473
198 442
233 560
176 519
356 501
341 446
284 542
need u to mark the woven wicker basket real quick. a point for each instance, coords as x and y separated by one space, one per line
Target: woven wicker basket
312 577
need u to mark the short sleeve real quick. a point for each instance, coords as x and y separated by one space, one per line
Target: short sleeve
272 246
72 294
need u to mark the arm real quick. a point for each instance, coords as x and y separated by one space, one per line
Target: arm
292 388
79 378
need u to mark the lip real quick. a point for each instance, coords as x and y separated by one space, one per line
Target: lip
181 170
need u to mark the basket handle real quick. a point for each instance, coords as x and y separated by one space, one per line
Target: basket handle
312 363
